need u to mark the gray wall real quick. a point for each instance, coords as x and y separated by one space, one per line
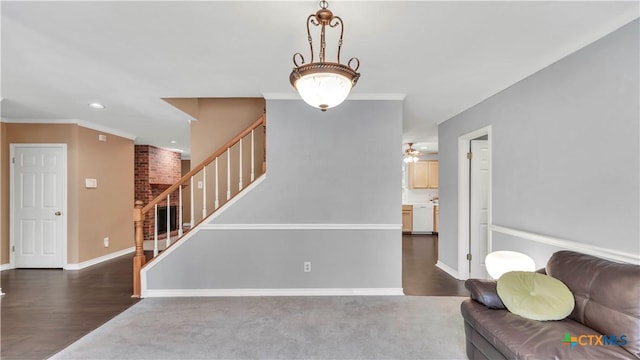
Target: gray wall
273 259
338 167
565 153
341 166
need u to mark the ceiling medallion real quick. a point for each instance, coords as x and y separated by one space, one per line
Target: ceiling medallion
324 84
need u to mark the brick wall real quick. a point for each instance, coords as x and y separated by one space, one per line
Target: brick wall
155 170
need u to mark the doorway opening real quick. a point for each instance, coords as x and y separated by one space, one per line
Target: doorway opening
474 202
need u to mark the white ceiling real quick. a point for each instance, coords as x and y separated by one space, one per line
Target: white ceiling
443 56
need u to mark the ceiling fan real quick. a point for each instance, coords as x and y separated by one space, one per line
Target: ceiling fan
411 154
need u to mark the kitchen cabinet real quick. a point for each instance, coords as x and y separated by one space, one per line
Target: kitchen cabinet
407 218
423 174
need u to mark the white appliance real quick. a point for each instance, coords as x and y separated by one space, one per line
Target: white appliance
423 218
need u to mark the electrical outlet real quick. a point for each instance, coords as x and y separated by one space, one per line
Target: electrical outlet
200 184
307 266
106 242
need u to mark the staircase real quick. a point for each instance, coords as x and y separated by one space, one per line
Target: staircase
208 186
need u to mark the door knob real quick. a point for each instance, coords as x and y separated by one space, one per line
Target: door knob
58 213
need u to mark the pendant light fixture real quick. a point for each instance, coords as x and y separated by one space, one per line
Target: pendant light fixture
411 155
324 84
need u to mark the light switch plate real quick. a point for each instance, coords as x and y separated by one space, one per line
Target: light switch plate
90 183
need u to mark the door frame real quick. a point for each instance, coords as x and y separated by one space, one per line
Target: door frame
463 197
12 199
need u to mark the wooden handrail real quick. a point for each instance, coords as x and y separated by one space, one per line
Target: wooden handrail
204 163
139 211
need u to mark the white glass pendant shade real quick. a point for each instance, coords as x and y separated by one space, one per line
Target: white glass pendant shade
323 90
324 84
500 262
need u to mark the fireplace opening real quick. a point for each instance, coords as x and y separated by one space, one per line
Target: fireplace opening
161 220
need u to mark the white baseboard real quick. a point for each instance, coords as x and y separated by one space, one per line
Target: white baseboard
100 259
449 270
7 266
302 227
272 292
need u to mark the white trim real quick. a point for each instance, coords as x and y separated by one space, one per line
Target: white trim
65 234
273 292
569 245
358 96
463 197
8 266
39 121
301 227
82 123
106 129
463 208
449 270
95 261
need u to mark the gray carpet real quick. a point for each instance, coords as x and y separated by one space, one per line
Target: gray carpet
353 327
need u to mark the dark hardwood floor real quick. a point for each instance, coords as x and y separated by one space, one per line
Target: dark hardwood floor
44 311
420 276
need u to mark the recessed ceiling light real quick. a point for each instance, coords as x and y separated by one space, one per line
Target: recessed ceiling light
96 105
173 141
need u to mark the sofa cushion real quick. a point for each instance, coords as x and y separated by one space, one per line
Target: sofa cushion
484 291
519 338
535 296
606 293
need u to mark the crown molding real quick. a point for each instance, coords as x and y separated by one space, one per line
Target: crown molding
106 129
358 96
82 123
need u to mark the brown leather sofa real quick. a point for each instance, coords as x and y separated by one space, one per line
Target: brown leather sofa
605 323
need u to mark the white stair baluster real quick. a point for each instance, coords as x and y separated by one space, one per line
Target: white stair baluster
180 211
228 173
167 240
217 202
204 192
193 204
253 174
240 175
155 232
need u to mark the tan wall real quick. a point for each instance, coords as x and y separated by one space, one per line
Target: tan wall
187 105
52 134
220 120
85 157
106 210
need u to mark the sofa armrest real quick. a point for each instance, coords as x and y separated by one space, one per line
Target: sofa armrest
485 292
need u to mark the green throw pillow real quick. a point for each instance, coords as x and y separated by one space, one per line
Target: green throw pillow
535 296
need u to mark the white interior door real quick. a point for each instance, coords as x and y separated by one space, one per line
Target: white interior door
479 207
38 199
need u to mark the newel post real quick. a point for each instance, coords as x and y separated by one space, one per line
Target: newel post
138 259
